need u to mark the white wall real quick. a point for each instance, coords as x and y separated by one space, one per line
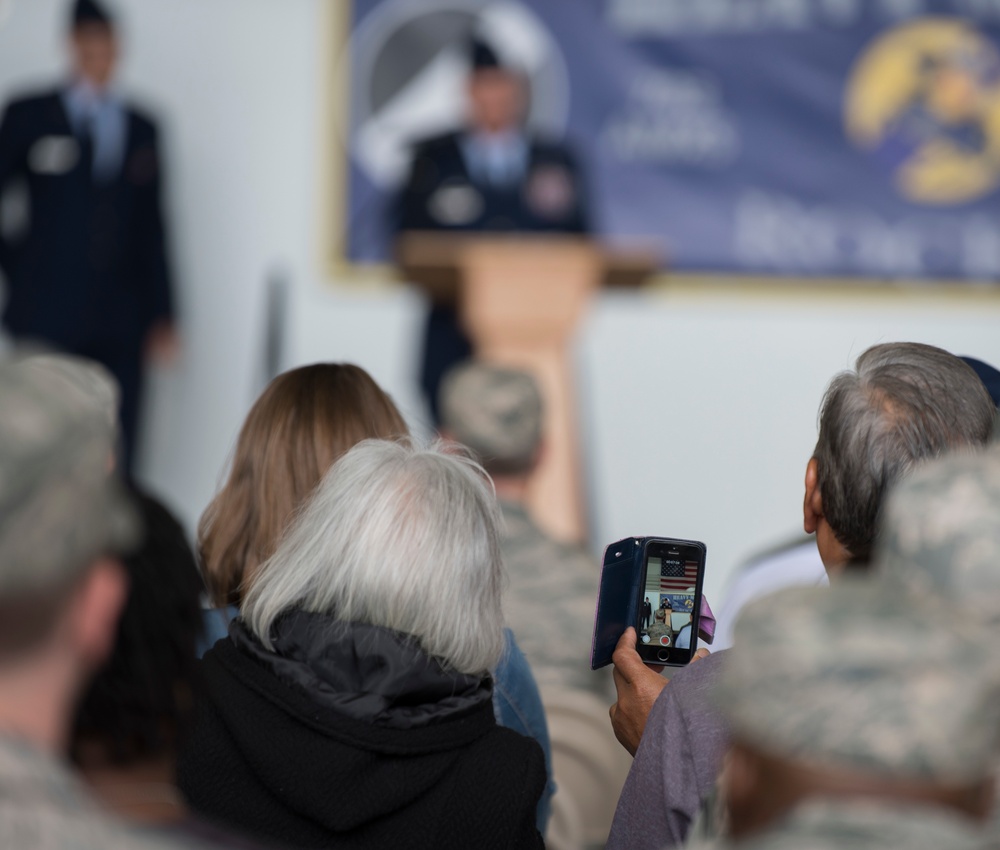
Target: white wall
698 403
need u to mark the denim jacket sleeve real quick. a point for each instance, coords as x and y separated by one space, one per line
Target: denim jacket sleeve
518 706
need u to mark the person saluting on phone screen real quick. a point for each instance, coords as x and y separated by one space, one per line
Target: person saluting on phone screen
901 404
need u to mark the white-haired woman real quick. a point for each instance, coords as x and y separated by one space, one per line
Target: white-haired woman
352 707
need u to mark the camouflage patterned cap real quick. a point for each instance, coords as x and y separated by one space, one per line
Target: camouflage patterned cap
865 676
495 411
91 385
941 531
59 505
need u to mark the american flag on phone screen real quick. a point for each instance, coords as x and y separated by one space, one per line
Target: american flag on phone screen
677 578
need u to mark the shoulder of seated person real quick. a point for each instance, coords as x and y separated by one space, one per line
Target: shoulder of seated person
697 677
509 749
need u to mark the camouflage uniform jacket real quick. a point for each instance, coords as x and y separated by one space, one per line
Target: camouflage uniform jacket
550 603
44 807
853 825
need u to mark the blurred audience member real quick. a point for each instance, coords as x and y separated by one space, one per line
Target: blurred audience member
306 419
133 716
497 412
861 730
86 268
352 705
941 538
127 724
902 404
61 592
493 174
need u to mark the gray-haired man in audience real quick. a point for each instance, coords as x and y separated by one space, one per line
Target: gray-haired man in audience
904 403
863 729
61 589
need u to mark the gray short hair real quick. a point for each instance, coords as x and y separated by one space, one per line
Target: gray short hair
903 403
400 537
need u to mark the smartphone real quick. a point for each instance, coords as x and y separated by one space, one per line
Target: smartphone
655 585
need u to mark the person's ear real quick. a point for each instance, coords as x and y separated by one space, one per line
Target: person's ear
739 774
984 799
96 607
740 783
541 452
812 503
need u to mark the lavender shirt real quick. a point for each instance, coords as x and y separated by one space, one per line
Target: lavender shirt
678 760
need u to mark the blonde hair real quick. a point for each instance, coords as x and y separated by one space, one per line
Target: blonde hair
303 421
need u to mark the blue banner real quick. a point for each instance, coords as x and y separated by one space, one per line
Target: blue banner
796 137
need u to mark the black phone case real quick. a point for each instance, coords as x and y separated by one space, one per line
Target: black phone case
617 598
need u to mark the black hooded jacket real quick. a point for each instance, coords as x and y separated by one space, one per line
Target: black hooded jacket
351 736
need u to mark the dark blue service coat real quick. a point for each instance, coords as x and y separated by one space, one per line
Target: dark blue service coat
87 272
91 263
441 194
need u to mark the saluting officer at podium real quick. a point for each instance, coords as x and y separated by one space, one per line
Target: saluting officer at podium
86 271
493 175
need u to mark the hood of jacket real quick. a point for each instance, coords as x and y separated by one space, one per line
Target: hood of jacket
365 672
342 725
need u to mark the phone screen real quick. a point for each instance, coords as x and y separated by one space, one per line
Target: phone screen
667 626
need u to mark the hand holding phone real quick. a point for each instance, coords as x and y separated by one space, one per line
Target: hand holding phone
637 686
655 585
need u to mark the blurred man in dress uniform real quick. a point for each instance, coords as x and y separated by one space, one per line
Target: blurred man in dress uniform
493 175
86 270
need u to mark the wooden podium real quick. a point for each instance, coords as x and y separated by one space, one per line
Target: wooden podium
520 298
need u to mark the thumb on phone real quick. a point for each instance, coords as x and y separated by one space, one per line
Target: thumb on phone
638 685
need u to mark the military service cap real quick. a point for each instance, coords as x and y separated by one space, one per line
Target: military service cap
495 411
482 56
89 12
89 383
941 531
868 677
59 505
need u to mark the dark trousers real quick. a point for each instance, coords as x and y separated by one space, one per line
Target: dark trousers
124 360
445 346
